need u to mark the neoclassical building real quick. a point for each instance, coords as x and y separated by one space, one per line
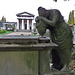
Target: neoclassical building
25 21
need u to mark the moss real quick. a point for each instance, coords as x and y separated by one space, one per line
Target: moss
32 60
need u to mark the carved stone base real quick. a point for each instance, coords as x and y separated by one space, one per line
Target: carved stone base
61 73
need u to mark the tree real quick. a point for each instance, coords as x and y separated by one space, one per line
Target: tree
3 19
71 18
72 21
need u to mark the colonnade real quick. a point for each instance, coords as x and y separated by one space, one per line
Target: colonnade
21 26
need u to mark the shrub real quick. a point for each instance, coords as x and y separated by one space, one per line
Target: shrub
2 31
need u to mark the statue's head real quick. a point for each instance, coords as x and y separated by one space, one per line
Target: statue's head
42 11
41 26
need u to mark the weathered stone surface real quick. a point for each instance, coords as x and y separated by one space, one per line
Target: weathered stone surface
60 33
18 39
23 59
18 63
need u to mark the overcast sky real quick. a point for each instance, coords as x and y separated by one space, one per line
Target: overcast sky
9 8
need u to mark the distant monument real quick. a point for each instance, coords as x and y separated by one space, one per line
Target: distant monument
60 33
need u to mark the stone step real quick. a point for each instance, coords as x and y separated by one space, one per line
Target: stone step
24 30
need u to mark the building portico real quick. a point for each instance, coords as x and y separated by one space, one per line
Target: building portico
25 21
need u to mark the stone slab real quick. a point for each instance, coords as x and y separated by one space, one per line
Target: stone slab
33 47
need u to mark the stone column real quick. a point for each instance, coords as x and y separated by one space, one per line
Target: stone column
22 24
32 26
28 25
17 25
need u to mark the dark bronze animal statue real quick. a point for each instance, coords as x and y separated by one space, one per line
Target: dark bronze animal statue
60 32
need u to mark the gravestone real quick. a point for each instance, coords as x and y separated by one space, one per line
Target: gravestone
25 55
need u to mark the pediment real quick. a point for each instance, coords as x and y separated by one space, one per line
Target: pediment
25 14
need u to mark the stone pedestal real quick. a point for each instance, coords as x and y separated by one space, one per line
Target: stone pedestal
44 61
24 56
63 73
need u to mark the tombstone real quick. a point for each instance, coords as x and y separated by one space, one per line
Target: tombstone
25 55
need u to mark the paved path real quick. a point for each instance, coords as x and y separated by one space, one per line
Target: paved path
19 33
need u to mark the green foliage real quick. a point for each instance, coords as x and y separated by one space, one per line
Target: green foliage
5 32
71 18
2 31
3 19
33 34
34 29
72 21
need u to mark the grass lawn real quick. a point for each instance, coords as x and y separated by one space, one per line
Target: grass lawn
6 32
35 35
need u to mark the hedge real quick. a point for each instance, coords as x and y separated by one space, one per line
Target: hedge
2 31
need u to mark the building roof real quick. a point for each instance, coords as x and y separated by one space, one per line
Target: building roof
24 14
10 22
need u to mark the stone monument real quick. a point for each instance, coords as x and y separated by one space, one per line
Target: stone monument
25 55
61 34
